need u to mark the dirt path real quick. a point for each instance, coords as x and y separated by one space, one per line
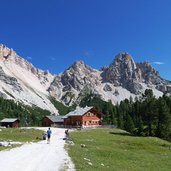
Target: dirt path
38 156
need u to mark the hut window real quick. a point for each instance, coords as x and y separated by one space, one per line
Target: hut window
88 114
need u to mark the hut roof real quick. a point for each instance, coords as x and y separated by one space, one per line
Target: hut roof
55 118
78 111
9 120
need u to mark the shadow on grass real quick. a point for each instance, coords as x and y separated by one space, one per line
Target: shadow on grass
122 133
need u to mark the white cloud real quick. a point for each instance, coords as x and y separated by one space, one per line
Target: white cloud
158 63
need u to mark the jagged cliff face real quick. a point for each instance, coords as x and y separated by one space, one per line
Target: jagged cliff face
72 81
123 78
79 75
21 81
10 59
152 78
124 72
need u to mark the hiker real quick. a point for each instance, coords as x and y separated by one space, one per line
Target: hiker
67 134
49 132
44 136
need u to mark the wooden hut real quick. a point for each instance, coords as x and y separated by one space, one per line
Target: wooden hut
83 117
53 120
10 122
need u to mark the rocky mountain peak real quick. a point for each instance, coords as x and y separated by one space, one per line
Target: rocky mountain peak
124 59
21 81
79 63
72 81
147 67
5 52
9 58
123 78
121 70
149 74
123 56
8 55
79 67
78 74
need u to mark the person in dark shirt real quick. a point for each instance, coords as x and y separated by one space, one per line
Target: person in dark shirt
49 132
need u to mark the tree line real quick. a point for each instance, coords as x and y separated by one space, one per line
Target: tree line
28 116
143 116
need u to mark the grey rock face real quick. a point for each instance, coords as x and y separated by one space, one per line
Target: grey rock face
80 79
73 80
123 72
10 81
9 56
78 75
22 81
3 95
151 76
134 87
116 93
107 87
126 73
169 89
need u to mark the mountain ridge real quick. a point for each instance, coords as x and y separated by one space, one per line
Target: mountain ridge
121 79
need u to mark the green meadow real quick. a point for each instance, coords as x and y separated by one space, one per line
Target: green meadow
19 134
115 150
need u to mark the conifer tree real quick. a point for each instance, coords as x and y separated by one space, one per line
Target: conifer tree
164 119
140 126
129 124
150 110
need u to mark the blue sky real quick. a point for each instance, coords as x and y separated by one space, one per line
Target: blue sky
55 33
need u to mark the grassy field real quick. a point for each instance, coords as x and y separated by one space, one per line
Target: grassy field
115 150
19 134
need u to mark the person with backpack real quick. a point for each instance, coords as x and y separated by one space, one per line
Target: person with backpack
49 132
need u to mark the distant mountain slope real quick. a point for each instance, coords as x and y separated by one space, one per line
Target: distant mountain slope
23 82
123 78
